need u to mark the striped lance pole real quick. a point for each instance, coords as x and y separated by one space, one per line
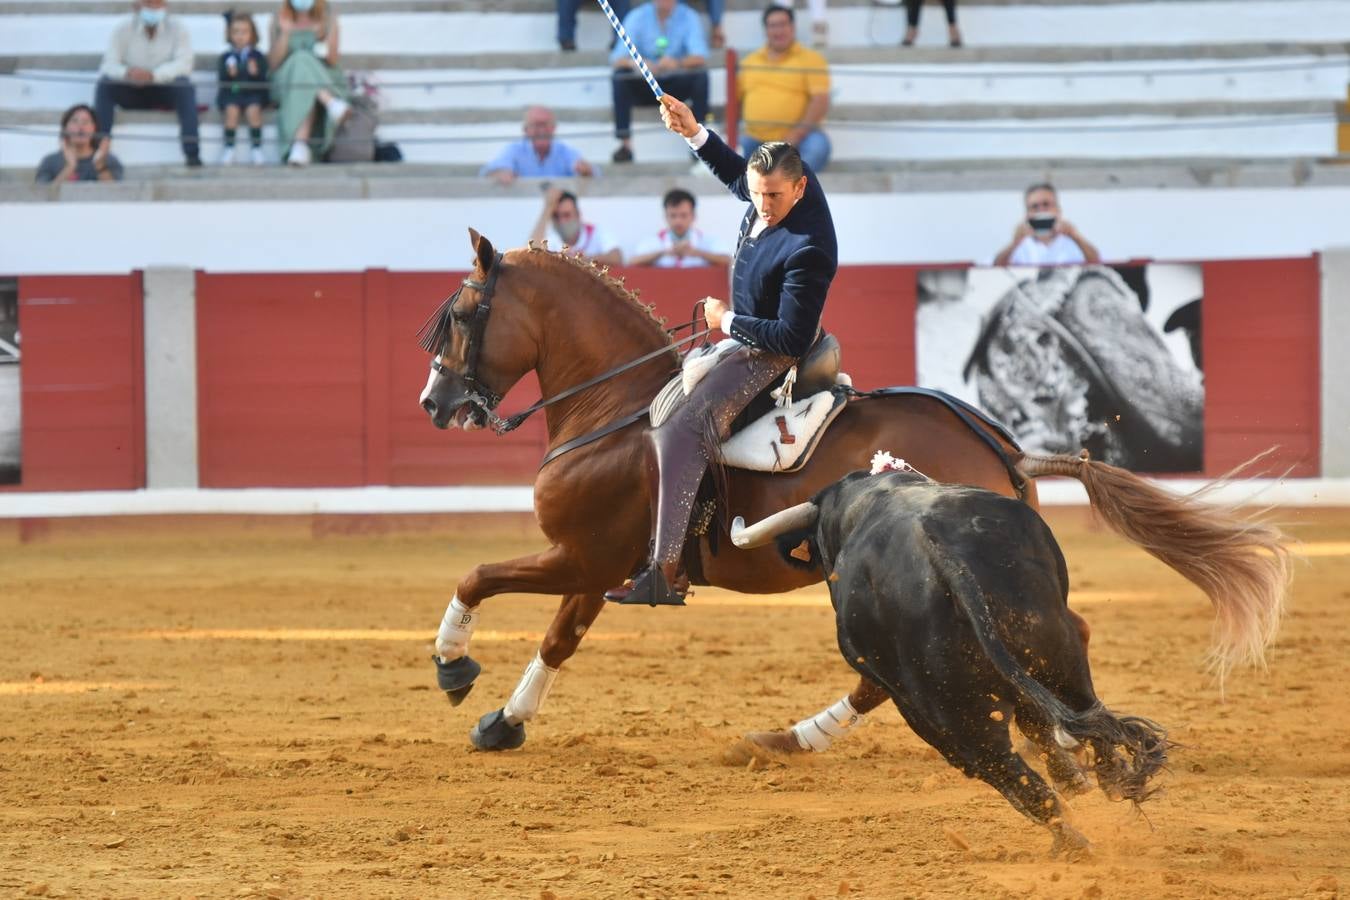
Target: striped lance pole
632 50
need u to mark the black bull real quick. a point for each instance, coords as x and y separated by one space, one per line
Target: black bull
954 599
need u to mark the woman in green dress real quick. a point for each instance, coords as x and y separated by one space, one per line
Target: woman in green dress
309 88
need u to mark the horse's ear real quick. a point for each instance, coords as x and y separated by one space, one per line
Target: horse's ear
483 249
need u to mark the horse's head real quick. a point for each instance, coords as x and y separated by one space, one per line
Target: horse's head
481 344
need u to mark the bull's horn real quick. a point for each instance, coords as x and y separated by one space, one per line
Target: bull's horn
757 535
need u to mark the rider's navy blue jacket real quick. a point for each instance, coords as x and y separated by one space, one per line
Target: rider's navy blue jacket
780 278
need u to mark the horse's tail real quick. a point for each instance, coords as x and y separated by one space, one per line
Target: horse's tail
1143 742
1239 561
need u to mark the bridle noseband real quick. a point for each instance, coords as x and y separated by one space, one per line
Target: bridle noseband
479 394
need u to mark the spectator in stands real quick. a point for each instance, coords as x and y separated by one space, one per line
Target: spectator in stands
679 245
717 37
242 76
567 21
579 237
309 88
537 154
83 155
1044 237
912 10
785 92
147 67
669 35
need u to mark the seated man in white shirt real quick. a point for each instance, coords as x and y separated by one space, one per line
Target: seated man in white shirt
1044 237
679 245
579 238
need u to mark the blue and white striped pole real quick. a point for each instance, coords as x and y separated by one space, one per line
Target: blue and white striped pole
632 50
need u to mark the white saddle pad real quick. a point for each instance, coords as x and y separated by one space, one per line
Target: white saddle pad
771 445
700 362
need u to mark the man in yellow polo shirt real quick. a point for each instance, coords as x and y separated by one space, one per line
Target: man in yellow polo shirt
785 92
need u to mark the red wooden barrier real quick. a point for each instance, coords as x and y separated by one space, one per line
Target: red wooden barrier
312 380
1261 330
82 382
281 380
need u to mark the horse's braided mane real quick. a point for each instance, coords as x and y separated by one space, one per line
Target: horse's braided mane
601 274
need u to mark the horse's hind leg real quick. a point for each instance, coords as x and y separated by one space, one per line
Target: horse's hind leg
818 732
504 729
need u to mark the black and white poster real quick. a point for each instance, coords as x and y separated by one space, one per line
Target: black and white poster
1098 357
9 382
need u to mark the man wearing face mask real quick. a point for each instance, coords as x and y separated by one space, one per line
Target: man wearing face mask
1044 237
147 67
786 257
581 238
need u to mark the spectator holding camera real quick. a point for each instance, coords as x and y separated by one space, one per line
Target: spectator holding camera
1044 237
83 155
146 66
579 237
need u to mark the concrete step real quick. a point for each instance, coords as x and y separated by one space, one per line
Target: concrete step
545 63
149 184
1298 134
1180 24
261 7
591 120
1087 85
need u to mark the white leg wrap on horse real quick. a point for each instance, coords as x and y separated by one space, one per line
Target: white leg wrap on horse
819 731
452 641
530 693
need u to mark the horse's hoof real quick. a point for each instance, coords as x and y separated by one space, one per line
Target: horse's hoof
775 741
456 677
493 732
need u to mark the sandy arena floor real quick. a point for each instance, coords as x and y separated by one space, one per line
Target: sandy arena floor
245 707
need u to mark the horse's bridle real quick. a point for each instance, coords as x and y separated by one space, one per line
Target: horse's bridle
435 334
482 396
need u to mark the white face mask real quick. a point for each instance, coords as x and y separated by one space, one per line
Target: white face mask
569 230
151 18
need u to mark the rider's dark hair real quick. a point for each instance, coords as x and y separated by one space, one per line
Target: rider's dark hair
567 195
677 196
777 156
775 8
1040 186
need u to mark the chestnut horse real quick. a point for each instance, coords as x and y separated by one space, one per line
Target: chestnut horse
532 310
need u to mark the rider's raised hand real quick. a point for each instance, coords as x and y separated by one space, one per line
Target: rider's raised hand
678 117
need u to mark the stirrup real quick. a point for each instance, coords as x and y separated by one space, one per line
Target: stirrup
652 589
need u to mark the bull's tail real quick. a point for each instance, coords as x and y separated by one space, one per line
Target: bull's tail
1240 562
1127 750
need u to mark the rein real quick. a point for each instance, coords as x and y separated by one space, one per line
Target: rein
432 340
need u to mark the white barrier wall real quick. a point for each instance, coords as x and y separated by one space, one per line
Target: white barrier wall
352 235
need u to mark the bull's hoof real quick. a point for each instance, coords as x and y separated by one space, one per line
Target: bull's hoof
1070 843
493 732
775 741
456 677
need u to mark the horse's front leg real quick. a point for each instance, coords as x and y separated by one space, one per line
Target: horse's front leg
550 572
504 729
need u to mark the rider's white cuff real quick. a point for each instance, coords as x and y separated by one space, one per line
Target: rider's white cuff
698 140
726 321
